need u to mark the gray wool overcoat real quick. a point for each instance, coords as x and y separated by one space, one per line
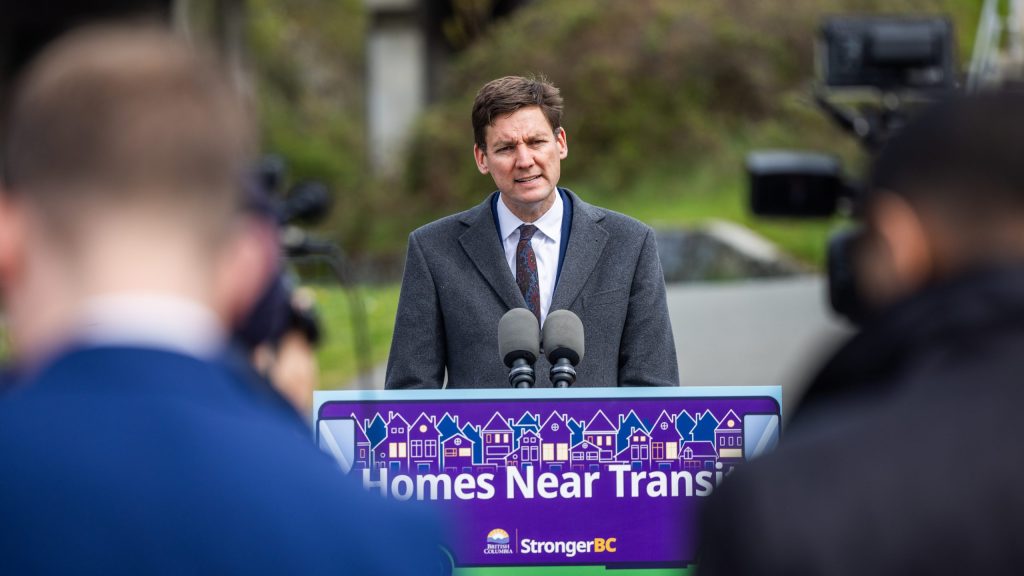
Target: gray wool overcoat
457 285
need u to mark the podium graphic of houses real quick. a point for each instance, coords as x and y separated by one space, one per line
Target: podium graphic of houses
551 442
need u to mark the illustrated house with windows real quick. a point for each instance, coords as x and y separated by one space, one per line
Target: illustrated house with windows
528 453
364 454
729 437
555 439
396 447
585 456
457 454
664 439
423 443
497 439
698 455
601 433
637 450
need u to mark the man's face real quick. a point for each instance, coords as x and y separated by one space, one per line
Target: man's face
524 157
896 254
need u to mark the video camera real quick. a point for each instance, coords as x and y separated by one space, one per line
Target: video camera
874 72
279 309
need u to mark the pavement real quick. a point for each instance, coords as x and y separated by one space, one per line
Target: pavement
772 332
747 333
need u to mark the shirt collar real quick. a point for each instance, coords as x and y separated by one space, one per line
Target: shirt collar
550 224
153 321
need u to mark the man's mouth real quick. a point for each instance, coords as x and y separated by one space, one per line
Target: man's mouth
527 179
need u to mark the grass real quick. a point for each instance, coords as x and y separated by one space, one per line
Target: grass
336 355
687 198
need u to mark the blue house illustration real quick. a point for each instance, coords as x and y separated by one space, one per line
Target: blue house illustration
705 427
685 424
525 423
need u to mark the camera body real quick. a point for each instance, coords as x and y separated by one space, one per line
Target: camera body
873 73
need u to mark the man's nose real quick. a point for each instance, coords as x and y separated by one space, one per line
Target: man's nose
524 156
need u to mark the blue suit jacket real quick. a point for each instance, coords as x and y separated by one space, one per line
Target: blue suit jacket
135 461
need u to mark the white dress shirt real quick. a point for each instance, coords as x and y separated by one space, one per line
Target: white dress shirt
546 244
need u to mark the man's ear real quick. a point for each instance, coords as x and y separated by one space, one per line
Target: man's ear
911 250
248 261
563 143
12 238
481 160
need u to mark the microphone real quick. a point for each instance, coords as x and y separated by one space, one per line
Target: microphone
563 343
519 346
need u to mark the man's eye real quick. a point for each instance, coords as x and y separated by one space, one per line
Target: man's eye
504 149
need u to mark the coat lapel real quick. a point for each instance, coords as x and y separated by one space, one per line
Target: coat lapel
586 243
482 245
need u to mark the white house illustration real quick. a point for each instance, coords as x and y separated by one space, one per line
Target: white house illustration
423 441
698 455
497 439
585 456
457 454
729 437
601 433
665 442
555 438
528 453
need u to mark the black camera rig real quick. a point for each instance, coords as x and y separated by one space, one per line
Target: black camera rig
874 73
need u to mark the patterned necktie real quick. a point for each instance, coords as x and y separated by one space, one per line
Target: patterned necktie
526 269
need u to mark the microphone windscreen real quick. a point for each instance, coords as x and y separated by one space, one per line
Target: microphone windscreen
563 336
518 336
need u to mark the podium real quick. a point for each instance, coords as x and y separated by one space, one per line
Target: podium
576 480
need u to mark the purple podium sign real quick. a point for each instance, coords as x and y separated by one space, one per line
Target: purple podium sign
590 478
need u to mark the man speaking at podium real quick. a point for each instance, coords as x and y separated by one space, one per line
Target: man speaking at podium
531 245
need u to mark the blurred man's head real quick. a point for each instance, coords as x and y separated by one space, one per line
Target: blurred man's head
520 142
122 172
946 195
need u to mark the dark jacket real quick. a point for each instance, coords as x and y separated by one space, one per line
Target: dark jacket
457 286
908 462
121 460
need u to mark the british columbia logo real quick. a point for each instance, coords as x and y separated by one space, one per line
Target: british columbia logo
497 542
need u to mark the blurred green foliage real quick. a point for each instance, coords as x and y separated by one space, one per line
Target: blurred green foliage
336 355
663 99
308 58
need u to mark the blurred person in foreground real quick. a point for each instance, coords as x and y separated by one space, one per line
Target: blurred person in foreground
531 245
911 466
133 443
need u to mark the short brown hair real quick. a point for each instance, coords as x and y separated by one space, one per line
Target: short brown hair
504 96
118 114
